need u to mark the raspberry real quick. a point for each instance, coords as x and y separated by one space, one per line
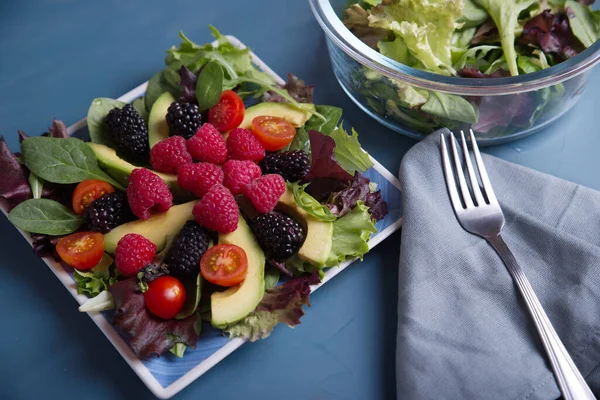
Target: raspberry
217 210
239 173
243 145
133 253
208 145
183 119
292 165
199 178
147 193
169 154
264 192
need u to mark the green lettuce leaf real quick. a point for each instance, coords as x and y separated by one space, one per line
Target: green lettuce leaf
348 152
98 279
309 203
350 235
426 27
472 15
506 14
584 23
451 107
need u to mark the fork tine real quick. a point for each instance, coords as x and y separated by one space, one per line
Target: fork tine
474 183
450 182
461 175
485 180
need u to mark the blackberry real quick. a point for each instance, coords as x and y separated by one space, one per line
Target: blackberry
128 130
107 212
293 165
279 236
184 119
183 258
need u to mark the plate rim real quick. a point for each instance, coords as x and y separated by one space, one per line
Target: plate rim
112 334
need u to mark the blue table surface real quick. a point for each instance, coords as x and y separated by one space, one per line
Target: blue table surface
55 56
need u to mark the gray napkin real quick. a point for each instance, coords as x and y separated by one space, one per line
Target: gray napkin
463 329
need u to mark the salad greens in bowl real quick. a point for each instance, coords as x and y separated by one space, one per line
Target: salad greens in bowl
504 68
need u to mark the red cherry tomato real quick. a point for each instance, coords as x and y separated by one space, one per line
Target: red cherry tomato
81 250
165 297
88 191
273 133
228 114
224 265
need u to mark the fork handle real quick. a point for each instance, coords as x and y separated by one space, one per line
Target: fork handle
569 379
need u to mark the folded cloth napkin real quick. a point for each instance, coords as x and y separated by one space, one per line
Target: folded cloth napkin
463 329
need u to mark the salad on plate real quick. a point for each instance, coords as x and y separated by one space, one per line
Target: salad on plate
217 197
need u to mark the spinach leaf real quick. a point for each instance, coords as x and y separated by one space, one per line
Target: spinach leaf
209 85
140 106
96 119
300 141
271 277
193 289
332 117
584 23
44 216
36 184
62 160
451 107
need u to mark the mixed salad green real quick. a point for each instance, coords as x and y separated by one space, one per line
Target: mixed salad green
482 39
169 231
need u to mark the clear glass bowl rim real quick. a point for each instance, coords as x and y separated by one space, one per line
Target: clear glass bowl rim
355 48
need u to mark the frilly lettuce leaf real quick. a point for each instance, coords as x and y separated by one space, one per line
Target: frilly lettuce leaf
280 304
425 26
348 152
98 279
506 14
350 235
309 203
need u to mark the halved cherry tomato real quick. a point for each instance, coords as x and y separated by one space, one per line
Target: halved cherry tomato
88 191
81 250
224 265
229 112
273 133
165 297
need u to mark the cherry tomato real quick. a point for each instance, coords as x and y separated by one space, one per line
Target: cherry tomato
81 250
88 191
165 297
273 133
224 265
229 112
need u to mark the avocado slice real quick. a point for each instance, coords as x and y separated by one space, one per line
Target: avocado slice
238 301
157 121
319 234
156 228
119 170
282 110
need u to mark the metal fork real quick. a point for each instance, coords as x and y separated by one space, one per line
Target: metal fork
483 217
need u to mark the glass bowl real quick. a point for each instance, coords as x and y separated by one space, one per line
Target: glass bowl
498 110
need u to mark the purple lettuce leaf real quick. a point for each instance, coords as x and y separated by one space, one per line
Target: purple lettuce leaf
280 304
188 83
551 33
513 109
342 202
148 334
472 72
14 186
296 88
486 33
